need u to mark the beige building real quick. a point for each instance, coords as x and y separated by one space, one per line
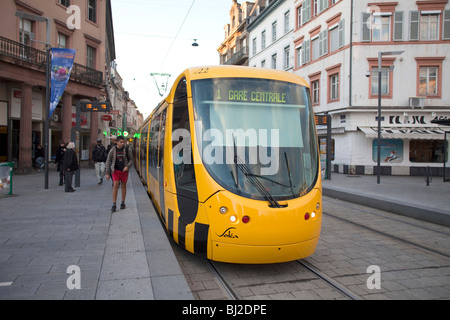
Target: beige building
85 25
234 49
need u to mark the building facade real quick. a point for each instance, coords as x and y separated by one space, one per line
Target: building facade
234 49
85 25
271 35
335 45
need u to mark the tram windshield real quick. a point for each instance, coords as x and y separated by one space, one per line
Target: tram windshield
256 136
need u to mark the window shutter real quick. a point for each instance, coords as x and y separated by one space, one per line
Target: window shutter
307 5
307 51
325 42
446 26
320 44
414 25
398 26
341 28
303 54
365 26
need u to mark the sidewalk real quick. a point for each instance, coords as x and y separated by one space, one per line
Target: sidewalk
404 195
121 255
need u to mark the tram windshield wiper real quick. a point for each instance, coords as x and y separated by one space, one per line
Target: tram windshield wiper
258 185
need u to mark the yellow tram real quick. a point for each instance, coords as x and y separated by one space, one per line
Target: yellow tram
230 160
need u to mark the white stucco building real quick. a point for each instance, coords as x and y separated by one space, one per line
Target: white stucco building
337 44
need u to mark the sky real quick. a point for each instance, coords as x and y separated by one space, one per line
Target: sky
156 36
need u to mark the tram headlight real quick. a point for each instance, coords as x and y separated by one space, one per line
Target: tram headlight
318 206
233 218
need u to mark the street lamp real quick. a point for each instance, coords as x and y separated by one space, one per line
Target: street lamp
380 55
33 17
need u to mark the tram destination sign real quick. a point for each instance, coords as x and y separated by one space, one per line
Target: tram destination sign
95 106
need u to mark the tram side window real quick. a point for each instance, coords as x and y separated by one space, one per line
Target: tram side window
153 146
182 155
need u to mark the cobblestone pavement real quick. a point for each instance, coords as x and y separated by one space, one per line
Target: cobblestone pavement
353 238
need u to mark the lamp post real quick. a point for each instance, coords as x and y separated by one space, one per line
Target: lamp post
380 56
33 17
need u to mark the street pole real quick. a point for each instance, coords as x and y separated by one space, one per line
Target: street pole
47 113
47 103
380 54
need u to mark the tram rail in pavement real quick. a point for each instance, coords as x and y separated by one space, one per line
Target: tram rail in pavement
45 234
404 195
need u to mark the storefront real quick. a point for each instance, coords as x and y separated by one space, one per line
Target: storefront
410 143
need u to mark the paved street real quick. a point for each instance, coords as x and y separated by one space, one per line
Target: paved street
127 255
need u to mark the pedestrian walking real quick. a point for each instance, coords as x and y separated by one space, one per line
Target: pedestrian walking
70 165
59 161
39 154
118 163
99 156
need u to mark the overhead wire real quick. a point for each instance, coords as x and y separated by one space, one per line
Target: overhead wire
176 36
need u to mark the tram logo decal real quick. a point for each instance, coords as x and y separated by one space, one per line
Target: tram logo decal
228 234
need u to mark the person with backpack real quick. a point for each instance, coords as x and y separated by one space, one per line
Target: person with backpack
70 163
99 156
118 163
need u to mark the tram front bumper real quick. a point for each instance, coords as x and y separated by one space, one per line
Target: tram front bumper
234 253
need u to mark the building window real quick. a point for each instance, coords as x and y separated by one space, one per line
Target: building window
315 8
427 151
429 27
381 28
254 46
90 57
274 31
287 62
428 79
299 53
334 87
299 17
62 40
65 3
274 61
92 10
387 65
286 22
25 27
384 81
429 76
315 92
263 64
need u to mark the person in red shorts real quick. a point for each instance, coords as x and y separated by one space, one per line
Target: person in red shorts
118 163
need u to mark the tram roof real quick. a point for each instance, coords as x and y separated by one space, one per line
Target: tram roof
222 71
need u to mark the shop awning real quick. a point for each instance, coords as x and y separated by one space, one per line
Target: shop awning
428 133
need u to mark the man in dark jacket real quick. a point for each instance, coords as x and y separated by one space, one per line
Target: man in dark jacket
59 161
99 157
70 165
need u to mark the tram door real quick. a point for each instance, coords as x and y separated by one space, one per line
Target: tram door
185 207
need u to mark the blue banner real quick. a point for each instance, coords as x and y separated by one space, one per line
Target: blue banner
62 63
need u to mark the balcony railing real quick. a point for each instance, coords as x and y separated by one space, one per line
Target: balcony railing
238 57
37 58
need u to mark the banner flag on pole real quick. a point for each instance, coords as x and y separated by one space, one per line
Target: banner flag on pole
62 63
